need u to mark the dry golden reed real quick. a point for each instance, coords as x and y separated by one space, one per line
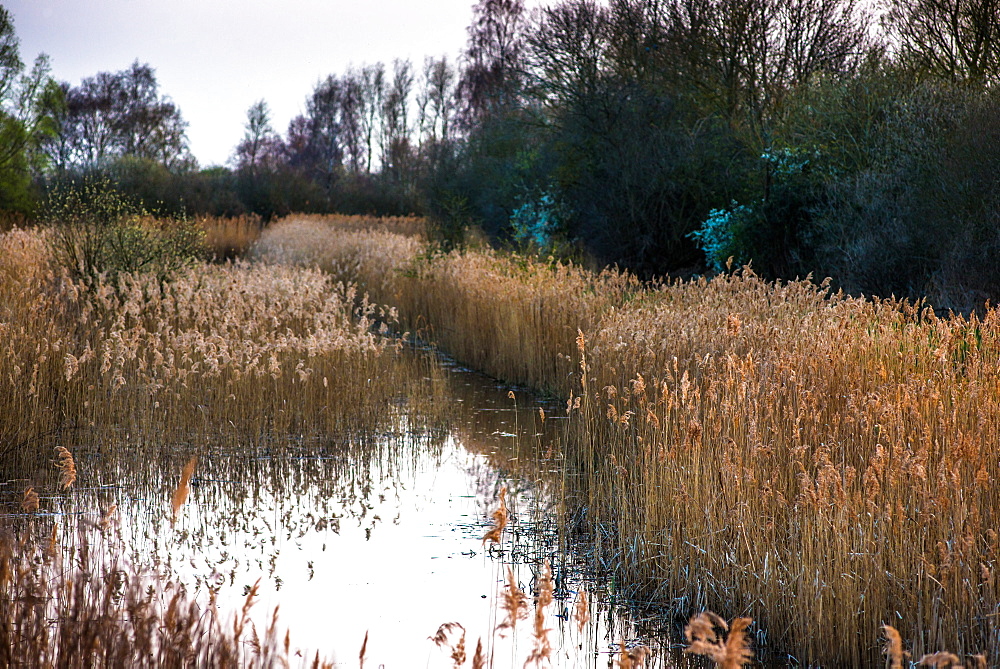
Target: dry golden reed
495 533
631 658
29 503
164 362
231 237
542 650
893 649
827 459
66 466
730 650
443 639
582 611
102 614
183 489
513 603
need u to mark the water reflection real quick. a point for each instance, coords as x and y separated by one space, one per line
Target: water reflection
377 534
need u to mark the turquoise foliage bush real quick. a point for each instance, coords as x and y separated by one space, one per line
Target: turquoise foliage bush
538 222
757 231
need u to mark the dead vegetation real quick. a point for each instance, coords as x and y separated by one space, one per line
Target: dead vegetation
819 461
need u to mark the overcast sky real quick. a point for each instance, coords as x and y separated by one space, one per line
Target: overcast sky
214 58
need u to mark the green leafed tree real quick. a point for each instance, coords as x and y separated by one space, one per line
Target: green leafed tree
28 101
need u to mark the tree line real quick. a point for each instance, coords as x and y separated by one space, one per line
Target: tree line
829 137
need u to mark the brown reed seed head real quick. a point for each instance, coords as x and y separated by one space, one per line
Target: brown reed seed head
704 633
52 547
183 488
940 660
893 649
479 659
738 651
514 603
582 613
66 466
29 504
542 650
977 661
632 658
499 520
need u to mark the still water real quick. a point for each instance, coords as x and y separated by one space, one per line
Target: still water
378 536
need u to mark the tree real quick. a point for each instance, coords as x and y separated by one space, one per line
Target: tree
745 55
323 110
372 95
27 101
116 114
260 147
567 52
491 77
395 120
436 100
956 39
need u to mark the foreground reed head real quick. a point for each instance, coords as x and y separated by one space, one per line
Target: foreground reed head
708 634
499 519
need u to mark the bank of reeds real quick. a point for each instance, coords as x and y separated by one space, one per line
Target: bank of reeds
231 237
229 351
84 611
819 463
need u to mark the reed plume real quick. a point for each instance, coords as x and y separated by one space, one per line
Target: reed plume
183 488
542 650
940 660
514 604
479 659
632 658
704 634
29 504
893 647
499 520
582 613
66 466
457 648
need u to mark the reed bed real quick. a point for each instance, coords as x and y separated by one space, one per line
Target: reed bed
820 463
233 352
91 610
228 238
451 299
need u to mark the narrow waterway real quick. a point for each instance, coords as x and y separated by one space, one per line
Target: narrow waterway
378 535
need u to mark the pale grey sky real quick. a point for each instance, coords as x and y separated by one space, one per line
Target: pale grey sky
214 58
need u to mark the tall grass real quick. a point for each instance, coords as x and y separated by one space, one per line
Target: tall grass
820 463
95 611
232 352
228 238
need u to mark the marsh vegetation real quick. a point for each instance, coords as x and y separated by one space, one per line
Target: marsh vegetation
774 452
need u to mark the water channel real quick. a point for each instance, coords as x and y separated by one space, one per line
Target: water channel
379 536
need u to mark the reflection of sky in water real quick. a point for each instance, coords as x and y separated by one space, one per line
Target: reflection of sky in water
383 539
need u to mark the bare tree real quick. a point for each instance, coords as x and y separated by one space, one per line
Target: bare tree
567 52
323 109
491 77
436 100
115 114
352 109
372 78
395 143
957 39
260 146
746 54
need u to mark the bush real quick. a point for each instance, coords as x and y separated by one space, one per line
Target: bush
97 232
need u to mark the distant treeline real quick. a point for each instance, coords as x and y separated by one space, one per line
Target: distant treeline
802 136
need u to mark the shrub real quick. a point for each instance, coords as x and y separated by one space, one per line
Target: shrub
97 232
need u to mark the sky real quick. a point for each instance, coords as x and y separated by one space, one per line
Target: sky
214 58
